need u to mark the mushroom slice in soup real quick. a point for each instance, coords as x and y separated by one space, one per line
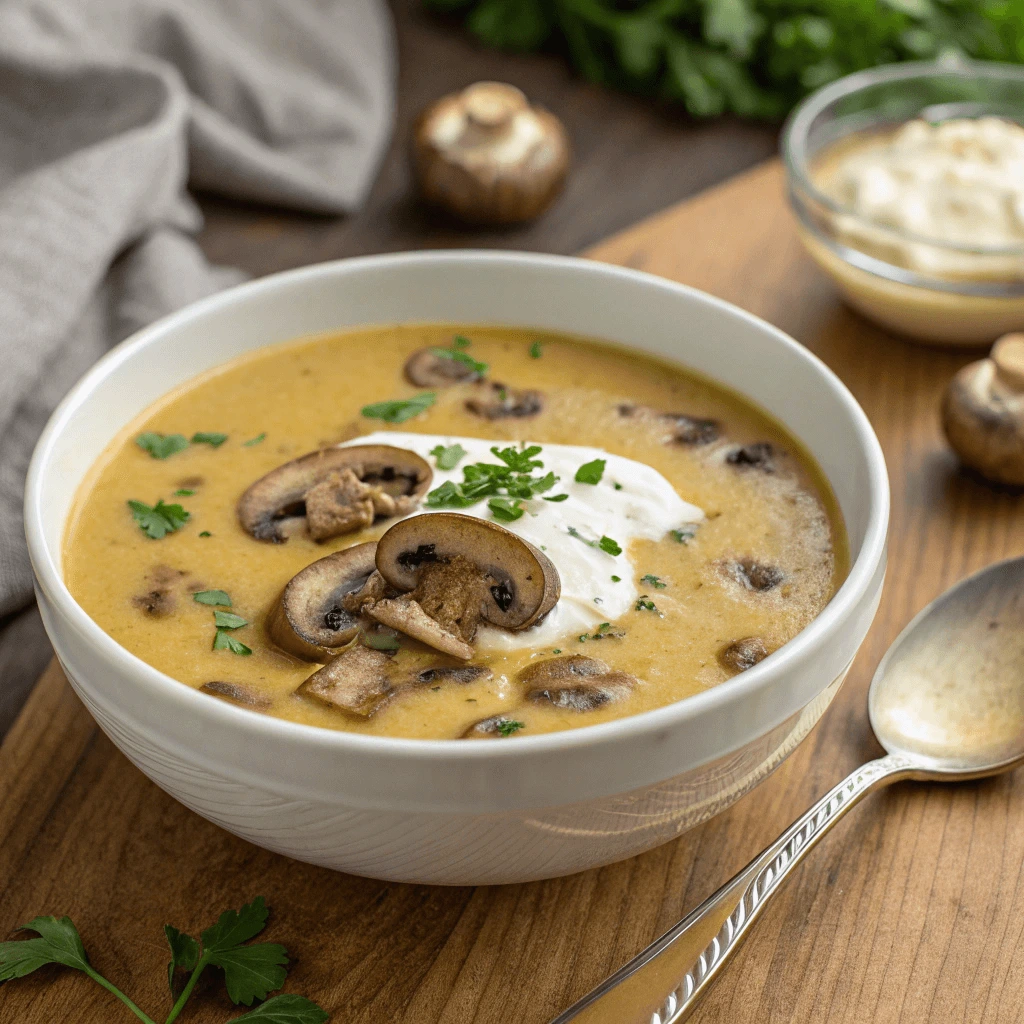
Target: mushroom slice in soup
236 694
357 681
687 430
752 575
334 491
494 401
760 455
310 619
575 682
743 654
460 674
439 368
492 728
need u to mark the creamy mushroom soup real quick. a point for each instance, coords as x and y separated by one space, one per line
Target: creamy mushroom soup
443 532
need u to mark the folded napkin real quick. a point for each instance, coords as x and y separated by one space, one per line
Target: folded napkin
109 111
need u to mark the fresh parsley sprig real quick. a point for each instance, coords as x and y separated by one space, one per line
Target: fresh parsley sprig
251 972
158 520
401 409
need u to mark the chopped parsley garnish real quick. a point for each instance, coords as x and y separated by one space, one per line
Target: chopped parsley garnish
450 457
507 726
206 533
684 534
461 341
645 604
161 446
184 492
556 650
224 641
557 497
401 409
604 632
512 478
211 438
616 579
654 581
251 972
536 350
480 369
212 597
617 486
228 620
505 509
381 641
255 440
160 520
590 472
606 544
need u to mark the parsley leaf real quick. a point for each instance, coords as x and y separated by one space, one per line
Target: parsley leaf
654 581
58 943
450 457
480 369
505 510
255 440
224 641
205 533
616 579
645 604
285 1009
507 727
212 597
536 350
609 546
211 438
184 492
184 953
160 520
161 446
684 534
590 472
461 341
227 620
557 497
401 409
250 972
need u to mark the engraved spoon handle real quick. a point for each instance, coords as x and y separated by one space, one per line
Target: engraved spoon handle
688 957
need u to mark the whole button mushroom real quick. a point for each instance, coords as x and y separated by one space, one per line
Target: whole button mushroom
489 157
983 413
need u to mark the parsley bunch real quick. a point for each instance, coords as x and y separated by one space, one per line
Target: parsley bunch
251 972
756 58
506 483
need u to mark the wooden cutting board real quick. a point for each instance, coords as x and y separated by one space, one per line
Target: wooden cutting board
911 911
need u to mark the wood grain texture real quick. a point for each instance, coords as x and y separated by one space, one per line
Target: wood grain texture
911 912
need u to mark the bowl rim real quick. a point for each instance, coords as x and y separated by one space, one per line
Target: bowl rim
222 714
795 157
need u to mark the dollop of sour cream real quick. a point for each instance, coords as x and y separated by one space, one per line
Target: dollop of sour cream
957 182
644 505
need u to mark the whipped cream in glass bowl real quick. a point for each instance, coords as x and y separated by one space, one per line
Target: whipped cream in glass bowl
908 186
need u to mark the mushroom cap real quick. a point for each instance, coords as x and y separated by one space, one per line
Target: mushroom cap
575 682
743 654
494 401
428 368
489 157
309 619
275 505
525 584
357 682
983 413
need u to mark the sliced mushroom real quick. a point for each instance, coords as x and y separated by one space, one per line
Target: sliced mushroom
575 682
160 597
753 575
495 727
494 401
406 614
334 491
357 682
983 413
460 674
759 455
310 619
236 694
687 430
743 654
436 368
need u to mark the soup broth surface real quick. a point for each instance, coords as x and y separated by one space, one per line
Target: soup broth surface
775 520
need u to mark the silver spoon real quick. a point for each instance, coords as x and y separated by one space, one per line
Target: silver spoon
946 702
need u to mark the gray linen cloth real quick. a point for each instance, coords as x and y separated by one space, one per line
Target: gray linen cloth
109 111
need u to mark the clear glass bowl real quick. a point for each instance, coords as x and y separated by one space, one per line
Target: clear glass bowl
968 294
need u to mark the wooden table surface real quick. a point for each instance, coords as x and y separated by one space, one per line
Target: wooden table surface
912 911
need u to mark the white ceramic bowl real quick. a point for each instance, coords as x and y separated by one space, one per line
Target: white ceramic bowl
451 811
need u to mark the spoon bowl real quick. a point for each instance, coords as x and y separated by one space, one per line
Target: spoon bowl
946 703
949 693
